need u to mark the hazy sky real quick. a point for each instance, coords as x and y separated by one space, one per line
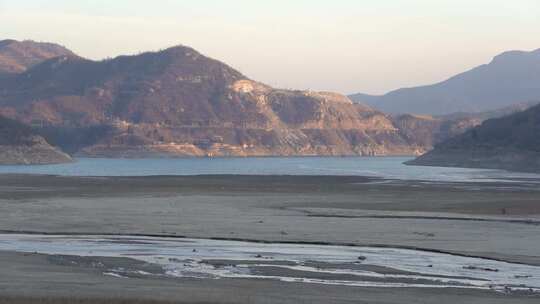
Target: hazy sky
347 46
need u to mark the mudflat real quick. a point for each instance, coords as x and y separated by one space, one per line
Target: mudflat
492 220
32 278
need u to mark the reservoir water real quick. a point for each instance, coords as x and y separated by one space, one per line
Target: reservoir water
384 167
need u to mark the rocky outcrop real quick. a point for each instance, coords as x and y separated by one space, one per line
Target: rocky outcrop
511 142
19 145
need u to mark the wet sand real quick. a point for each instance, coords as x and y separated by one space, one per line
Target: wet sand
499 221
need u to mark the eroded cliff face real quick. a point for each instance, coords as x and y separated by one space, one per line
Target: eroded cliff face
178 102
256 120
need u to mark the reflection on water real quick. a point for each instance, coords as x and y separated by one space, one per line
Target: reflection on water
385 167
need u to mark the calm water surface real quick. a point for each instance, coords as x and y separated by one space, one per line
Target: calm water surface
385 167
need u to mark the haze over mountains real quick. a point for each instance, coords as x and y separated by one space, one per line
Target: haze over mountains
510 78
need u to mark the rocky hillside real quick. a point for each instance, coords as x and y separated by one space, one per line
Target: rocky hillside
428 130
510 78
20 145
178 102
18 56
511 142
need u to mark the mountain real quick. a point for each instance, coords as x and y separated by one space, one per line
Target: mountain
511 142
20 145
511 77
18 56
178 102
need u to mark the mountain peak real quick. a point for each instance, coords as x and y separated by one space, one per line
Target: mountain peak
6 42
181 49
516 55
31 45
18 56
511 77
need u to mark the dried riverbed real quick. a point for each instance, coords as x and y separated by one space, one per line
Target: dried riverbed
300 263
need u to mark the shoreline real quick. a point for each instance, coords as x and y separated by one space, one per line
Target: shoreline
389 168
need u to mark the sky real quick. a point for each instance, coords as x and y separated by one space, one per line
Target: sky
347 46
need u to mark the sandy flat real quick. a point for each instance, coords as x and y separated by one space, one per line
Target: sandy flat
489 220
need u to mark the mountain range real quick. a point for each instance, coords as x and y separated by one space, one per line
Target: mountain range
511 77
178 102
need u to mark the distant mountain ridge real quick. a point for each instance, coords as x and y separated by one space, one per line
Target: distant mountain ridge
18 56
511 142
511 77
